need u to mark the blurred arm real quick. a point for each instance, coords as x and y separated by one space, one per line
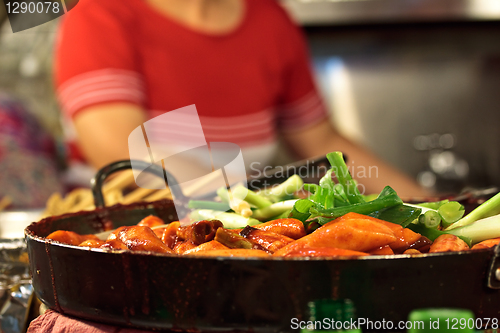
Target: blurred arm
103 131
365 167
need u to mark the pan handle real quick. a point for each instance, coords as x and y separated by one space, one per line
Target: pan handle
101 175
494 271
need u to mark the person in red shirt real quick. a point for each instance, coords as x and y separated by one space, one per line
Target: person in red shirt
243 63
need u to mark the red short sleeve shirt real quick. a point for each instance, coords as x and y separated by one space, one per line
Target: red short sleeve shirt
247 84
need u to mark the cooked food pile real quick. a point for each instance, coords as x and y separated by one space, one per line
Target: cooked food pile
350 235
326 220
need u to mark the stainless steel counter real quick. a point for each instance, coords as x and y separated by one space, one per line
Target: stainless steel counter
342 12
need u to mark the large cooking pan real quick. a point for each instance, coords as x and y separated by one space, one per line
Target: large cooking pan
161 291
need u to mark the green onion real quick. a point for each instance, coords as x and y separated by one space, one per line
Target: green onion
273 210
300 210
479 230
322 196
283 190
370 197
450 212
251 197
223 194
400 214
387 198
487 209
284 215
430 219
336 159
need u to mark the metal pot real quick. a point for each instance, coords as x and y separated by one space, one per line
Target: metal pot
160 291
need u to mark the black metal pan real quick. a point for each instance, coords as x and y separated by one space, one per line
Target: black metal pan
184 293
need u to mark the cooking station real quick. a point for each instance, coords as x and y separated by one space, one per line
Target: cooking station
415 82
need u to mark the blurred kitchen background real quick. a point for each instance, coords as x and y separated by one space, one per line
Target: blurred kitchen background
416 81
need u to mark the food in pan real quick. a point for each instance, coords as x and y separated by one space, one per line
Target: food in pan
350 235
116 191
331 220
